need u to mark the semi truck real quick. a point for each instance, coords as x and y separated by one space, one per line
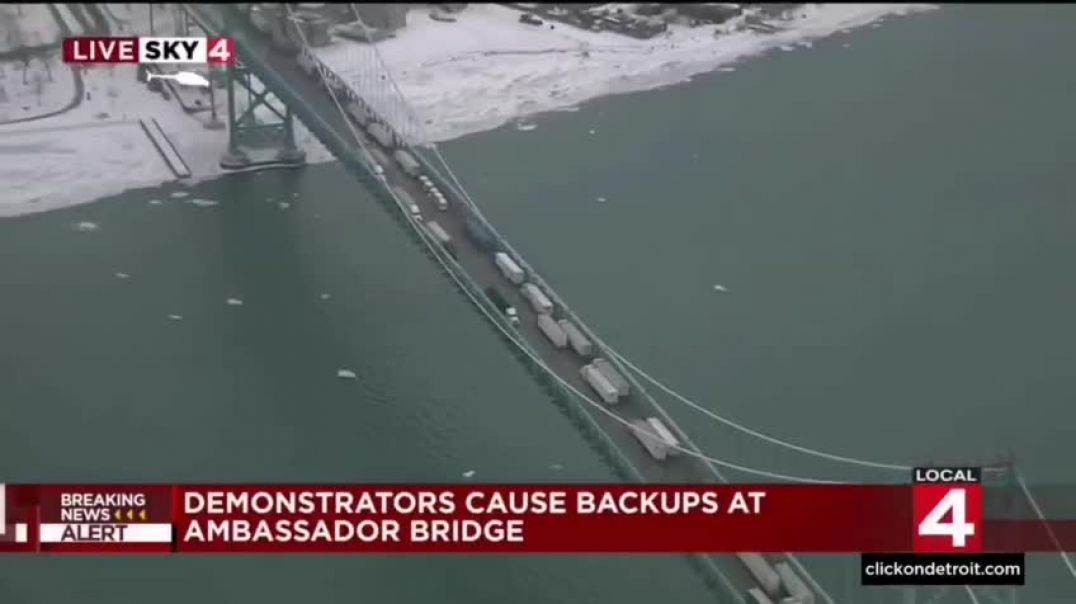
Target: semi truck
764 574
552 331
614 377
442 237
381 134
793 584
650 441
666 435
509 268
408 162
539 301
580 343
597 381
479 234
502 304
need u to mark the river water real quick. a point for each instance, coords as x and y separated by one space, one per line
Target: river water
890 212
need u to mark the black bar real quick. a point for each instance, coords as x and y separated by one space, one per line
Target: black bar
942 569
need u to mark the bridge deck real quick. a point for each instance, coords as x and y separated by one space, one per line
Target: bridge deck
321 114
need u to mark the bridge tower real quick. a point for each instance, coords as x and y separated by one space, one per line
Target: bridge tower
261 129
1010 500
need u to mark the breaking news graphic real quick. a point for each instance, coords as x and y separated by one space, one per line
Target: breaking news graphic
548 303
505 519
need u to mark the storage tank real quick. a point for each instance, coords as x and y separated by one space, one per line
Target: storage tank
381 134
764 575
605 390
509 268
756 596
580 343
644 433
552 331
614 377
793 584
540 303
408 162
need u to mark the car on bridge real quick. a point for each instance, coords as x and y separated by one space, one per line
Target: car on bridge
502 304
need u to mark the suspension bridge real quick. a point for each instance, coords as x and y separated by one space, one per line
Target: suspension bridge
342 106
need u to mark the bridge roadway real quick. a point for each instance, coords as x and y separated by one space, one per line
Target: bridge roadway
478 264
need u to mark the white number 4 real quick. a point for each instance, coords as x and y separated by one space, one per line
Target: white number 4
958 527
219 52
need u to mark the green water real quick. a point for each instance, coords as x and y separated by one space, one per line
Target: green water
892 220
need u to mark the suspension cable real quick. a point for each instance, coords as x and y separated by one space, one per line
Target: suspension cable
740 427
470 202
526 349
1042 517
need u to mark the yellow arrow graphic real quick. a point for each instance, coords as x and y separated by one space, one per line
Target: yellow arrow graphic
142 515
130 514
119 514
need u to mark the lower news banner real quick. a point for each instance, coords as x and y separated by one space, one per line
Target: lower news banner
942 569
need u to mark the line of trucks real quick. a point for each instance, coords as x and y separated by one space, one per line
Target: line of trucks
599 374
778 583
412 168
366 118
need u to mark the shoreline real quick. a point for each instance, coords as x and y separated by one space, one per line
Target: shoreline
482 91
469 80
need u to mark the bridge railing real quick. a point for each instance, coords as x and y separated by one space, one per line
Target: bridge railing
348 153
342 88
704 564
535 277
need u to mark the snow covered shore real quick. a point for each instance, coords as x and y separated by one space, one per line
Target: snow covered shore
479 73
488 69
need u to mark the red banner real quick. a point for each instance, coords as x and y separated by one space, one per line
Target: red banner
505 519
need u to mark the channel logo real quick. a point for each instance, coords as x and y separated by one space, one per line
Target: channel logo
948 508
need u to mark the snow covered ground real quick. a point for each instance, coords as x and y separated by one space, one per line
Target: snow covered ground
45 87
24 85
488 68
26 24
476 74
99 148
